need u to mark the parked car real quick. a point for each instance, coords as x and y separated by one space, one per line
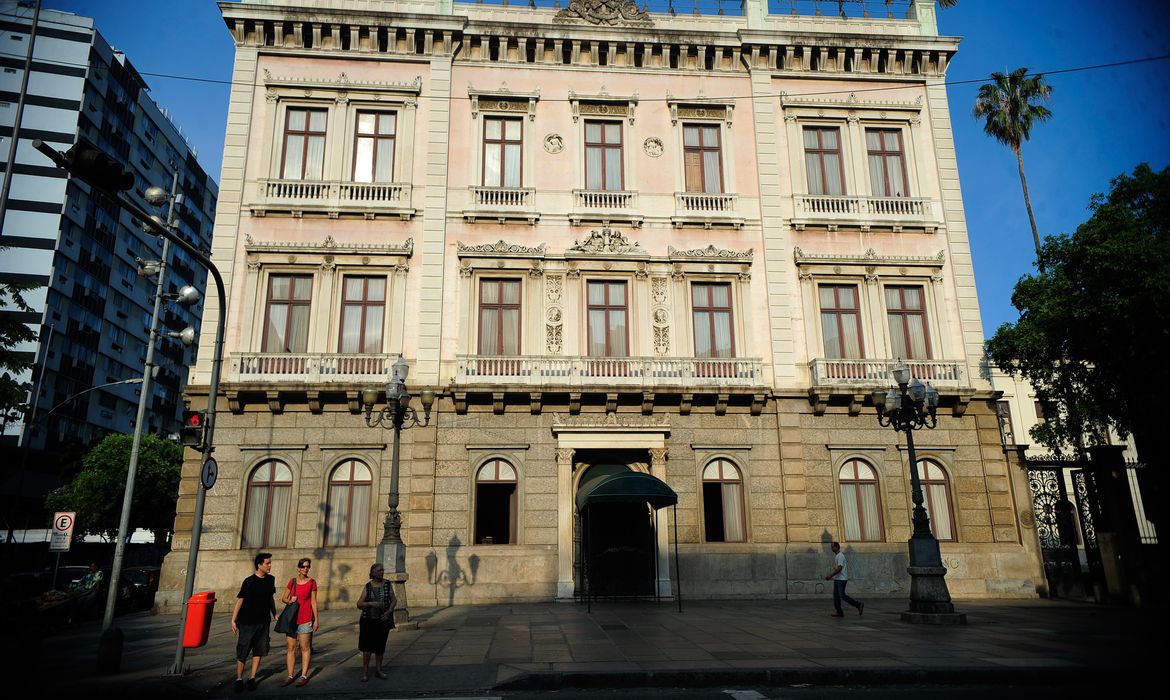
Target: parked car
144 582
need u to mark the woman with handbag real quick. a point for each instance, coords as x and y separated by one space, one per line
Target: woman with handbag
301 590
377 603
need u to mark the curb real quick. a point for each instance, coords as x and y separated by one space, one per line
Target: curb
709 678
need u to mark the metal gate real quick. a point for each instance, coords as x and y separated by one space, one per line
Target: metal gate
1056 526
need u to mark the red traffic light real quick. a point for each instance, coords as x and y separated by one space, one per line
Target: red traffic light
191 434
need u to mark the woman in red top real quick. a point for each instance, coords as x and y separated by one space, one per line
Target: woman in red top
303 590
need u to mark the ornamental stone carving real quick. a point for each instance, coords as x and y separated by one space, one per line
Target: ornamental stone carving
554 143
499 247
553 288
712 252
606 240
658 290
605 12
661 341
553 339
653 146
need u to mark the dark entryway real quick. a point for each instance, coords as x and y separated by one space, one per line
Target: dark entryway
618 541
618 546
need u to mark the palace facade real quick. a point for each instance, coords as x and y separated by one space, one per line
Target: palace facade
611 242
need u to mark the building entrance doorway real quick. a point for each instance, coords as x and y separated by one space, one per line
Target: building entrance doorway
617 551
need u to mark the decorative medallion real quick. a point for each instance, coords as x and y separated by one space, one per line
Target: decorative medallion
606 240
653 146
554 143
605 12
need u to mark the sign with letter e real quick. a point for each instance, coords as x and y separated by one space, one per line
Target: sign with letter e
62 534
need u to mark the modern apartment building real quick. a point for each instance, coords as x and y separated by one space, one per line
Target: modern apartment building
92 310
613 242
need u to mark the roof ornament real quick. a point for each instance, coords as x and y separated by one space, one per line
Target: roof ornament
605 12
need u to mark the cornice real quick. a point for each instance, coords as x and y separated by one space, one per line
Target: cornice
328 246
342 82
849 103
869 258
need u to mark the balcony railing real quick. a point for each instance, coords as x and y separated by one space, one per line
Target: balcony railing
333 197
321 368
864 211
605 205
707 209
502 203
876 373
534 371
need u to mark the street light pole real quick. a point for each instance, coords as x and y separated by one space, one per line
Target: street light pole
913 406
110 642
101 180
397 416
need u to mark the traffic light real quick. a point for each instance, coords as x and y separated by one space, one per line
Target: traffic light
87 162
191 434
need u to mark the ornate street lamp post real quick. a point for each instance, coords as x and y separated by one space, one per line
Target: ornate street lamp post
912 406
397 415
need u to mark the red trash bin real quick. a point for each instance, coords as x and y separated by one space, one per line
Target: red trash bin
199 609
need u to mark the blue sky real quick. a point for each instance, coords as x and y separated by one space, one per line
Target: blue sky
1105 121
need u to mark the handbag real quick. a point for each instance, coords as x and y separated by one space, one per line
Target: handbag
287 622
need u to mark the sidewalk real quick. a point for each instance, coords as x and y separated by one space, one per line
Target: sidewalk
470 649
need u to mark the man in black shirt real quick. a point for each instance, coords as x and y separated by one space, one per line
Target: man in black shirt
255 607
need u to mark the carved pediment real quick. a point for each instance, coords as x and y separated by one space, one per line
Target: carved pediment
500 247
711 252
605 12
606 240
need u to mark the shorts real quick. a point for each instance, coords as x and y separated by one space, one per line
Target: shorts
305 628
254 639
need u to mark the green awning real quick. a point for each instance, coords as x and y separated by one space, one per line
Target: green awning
627 487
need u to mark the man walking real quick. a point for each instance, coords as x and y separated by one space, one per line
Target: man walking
840 578
255 609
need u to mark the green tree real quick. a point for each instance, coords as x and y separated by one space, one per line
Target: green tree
1093 335
1008 106
15 314
96 493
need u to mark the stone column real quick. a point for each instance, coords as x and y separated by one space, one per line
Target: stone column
658 470
565 506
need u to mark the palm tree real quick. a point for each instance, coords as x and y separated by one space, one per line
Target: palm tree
1008 106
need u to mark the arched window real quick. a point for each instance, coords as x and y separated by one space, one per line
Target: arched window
347 520
723 502
495 503
266 510
860 502
936 497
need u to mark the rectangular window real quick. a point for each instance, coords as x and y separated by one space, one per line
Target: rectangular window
840 321
906 314
711 310
887 166
822 160
286 326
702 158
304 144
373 149
603 155
502 145
499 317
363 308
607 315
